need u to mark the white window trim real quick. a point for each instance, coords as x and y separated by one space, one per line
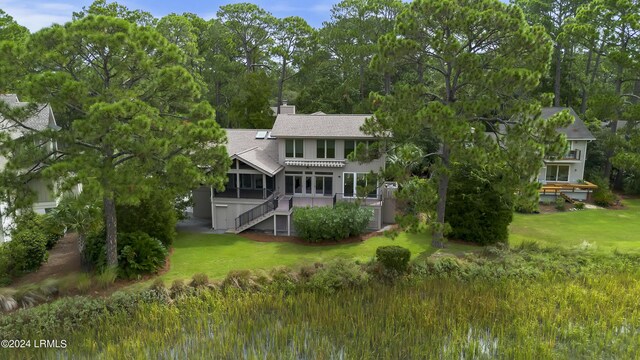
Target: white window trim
326 148
294 149
557 166
355 184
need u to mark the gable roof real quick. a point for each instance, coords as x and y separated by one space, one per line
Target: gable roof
320 125
261 154
42 119
576 131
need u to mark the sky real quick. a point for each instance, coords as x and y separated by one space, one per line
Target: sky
36 14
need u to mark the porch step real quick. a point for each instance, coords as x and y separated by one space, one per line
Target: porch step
567 198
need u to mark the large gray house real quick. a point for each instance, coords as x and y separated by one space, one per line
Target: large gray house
302 161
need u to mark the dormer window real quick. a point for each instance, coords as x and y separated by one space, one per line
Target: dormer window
294 148
326 149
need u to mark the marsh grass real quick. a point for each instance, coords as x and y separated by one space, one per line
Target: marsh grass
524 303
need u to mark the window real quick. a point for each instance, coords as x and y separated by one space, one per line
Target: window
326 149
349 187
294 148
270 183
231 184
307 184
557 173
351 146
246 181
353 181
293 183
324 184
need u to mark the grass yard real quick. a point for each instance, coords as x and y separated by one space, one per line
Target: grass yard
604 230
216 255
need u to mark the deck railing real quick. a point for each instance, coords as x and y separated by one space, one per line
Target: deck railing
554 187
257 212
369 200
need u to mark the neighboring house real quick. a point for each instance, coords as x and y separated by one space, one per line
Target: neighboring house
565 175
41 120
302 161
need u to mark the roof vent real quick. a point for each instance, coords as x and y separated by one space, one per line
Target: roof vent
261 134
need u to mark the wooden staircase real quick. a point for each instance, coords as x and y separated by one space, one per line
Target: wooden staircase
253 222
567 198
262 212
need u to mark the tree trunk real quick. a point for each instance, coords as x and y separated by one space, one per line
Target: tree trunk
585 84
111 224
283 73
443 186
609 153
614 128
558 75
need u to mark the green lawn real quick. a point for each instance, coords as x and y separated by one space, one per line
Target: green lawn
605 230
216 255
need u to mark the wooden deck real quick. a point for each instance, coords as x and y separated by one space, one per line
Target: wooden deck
555 188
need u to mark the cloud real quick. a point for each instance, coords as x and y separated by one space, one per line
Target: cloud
35 15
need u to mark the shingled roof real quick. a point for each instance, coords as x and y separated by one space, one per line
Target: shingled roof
576 131
320 125
41 120
259 153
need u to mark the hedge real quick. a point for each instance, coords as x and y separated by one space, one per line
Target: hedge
326 223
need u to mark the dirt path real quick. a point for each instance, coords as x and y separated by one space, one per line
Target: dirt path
64 259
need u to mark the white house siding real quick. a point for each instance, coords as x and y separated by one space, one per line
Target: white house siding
232 208
310 154
576 167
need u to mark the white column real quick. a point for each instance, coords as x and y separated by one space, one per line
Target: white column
288 225
275 225
264 186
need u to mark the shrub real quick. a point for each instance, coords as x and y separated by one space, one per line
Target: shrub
602 196
199 280
155 216
139 253
527 201
94 253
478 210
560 203
27 250
338 274
159 290
178 288
241 279
326 223
44 224
579 205
393 257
